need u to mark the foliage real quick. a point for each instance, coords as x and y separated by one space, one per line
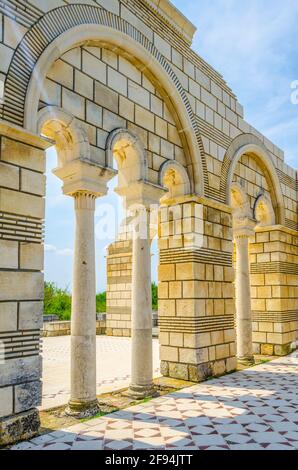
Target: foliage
58 301
101 302
154 297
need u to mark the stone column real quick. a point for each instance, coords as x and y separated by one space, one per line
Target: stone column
84 181
83 319
141 313
138 198
243 230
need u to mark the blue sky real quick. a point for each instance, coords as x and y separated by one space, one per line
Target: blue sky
253 44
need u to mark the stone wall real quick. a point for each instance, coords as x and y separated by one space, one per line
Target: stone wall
119 272
22 181
196 291
132 66
274 279
218 116
63 328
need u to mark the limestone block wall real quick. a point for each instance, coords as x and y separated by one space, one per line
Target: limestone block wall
63 328
22 190
217 113
105 91
119 274
274 279
196 291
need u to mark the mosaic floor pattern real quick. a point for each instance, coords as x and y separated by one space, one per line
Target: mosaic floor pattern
256 409
113 367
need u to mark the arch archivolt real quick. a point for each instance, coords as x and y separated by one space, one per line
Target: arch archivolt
65 28
263 211
130 155
250 146
174 177
65 130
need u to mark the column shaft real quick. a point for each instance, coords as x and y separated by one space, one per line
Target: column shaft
142 373
83 320
243 301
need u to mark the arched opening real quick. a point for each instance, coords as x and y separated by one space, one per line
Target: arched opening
98 29
253 197
248 147
82 162
174 177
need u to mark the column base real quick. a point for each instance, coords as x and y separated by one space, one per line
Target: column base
19 427
246 361
139 392
81 410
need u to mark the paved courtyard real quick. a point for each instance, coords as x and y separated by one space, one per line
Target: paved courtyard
253 409
113 367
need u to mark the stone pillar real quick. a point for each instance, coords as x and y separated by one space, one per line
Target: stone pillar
83 318
196 289
82 181
22 191
119 275
243 230
274 280
138 198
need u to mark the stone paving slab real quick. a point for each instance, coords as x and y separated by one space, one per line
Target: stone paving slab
113 367
256 409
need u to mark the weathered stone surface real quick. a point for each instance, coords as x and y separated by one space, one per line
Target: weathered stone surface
31 256
178 371
22 155
19 427
30 315
27 396
200 372
9 176
164 368
27 285
267 349
8 254
282 349
6 401
16 371
22 204
8 317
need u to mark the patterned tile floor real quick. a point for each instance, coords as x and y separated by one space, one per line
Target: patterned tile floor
255 409
113 367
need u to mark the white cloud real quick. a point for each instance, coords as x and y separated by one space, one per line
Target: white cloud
252 43
59 252
50 248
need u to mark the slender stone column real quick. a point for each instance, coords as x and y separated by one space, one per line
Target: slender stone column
141 367
139 197
83 320
242 232
84 181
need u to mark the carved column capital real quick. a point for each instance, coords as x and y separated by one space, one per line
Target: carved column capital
243 227
84 200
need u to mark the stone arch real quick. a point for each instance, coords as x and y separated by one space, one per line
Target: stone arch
174 177
130 156
249 144
263 211
65 27
70 138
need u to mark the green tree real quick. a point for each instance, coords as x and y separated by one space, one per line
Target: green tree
101 302
57 301
154 296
